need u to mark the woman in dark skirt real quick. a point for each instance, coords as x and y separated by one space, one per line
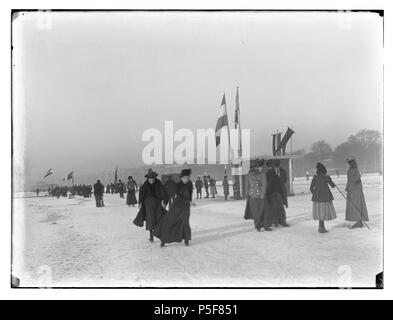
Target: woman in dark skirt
131 188
153 200
175 225
323 209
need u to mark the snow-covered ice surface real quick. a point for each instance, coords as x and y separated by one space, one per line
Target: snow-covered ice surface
71 243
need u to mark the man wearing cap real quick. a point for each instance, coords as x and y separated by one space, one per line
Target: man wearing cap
153 200
277 193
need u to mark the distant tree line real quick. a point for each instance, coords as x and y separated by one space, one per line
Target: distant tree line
366 146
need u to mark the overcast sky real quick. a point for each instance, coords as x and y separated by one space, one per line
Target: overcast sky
93 82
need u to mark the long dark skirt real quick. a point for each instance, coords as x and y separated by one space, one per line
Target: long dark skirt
356 209
131 199
277 210
175 225
258 210
154 212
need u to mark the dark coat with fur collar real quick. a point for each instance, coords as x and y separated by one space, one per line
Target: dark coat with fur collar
148 192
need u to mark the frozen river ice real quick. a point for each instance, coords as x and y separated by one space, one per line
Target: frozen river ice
71 243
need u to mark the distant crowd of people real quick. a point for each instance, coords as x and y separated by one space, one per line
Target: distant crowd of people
165 208
67 191
116 188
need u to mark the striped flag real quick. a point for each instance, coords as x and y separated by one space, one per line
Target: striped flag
222 122
237 122
283 143
48 173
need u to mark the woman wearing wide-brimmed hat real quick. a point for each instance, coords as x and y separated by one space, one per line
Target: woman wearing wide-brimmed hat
152 203
322 198
175 225
356 209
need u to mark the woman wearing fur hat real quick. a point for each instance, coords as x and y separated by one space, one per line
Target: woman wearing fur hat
175 225
323 209
153 200
356 209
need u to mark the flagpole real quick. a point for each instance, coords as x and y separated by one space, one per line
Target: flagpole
229 135
240 177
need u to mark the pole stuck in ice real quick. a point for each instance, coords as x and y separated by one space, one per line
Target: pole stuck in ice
352 204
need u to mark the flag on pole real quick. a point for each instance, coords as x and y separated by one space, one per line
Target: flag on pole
283 143
237 122
116 175
222 122
70 175
48 173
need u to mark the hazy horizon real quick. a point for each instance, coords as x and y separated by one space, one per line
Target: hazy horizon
92 82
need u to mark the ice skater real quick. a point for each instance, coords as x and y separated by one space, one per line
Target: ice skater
213 189
257 207
206 185
121 189
131 189
153 200
175 225
98 193
356 209
198 187
322 198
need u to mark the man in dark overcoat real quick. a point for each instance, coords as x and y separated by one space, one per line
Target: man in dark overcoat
277 193
98 193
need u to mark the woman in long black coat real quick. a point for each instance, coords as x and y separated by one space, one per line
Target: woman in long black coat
175 225
131 189
152 202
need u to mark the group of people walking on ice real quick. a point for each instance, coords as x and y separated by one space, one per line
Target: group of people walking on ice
267 196
172 225
266 201
131 186
323 209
